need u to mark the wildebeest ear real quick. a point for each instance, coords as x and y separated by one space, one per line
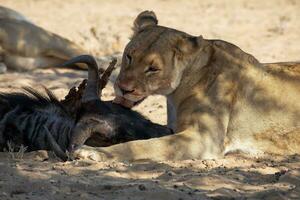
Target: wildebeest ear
188 44
143 20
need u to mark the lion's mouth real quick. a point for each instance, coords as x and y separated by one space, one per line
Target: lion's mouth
126 102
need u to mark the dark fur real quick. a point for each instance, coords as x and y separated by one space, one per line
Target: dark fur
27 117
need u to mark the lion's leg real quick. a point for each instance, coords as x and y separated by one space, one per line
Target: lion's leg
64 50
184 145
63 58
21 63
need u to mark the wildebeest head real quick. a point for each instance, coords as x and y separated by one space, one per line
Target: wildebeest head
90 117
111 123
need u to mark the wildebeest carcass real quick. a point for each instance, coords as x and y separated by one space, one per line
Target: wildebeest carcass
41 121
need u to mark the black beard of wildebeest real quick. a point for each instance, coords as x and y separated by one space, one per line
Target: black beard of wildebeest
42 122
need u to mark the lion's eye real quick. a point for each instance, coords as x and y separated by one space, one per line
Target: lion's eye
128 58
152 69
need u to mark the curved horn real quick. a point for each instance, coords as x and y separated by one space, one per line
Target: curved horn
86 127
91 91
106 74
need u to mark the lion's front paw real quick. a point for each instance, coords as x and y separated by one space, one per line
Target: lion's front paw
91 153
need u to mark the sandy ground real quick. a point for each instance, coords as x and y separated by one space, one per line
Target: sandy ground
270 30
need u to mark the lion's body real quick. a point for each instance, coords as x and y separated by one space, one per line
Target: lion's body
242 104
25 46
220 99
266 115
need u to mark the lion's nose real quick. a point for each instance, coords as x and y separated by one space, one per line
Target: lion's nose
125 88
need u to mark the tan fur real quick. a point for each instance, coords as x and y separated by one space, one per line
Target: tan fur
25 46
220 99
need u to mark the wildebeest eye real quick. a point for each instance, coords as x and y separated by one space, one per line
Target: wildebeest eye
152 69
128 58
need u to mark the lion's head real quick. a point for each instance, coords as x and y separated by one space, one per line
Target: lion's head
153 60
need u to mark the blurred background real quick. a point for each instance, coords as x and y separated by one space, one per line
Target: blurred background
270 30
267 29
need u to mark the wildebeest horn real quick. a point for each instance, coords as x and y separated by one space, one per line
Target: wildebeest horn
87 124
106 74
91 91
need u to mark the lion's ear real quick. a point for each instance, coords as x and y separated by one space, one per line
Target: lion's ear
188 44
144 19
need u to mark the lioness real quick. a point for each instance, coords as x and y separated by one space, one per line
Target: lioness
25 46
220 99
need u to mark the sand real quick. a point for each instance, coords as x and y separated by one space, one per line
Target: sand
270 30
